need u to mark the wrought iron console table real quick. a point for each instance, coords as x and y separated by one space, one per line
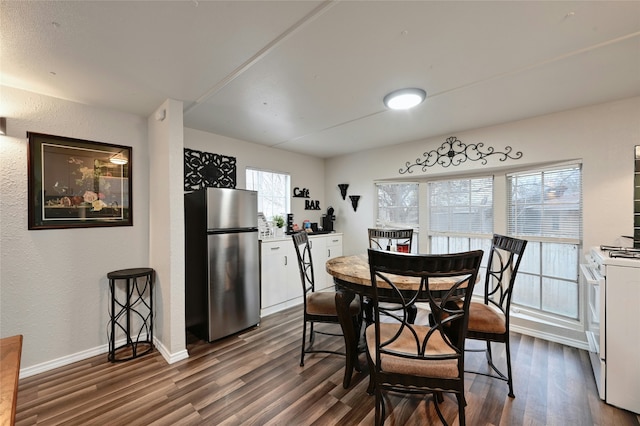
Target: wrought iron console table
135 312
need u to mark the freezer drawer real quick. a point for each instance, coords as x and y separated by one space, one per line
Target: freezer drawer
231 209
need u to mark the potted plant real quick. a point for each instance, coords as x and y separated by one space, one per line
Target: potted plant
278 220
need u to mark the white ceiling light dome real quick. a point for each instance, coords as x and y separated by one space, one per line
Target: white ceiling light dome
404 98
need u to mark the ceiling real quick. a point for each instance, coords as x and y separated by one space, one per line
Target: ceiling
309 76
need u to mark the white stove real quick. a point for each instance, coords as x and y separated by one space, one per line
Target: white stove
612 275
614 253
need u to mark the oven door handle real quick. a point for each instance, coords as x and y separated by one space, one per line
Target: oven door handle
591 274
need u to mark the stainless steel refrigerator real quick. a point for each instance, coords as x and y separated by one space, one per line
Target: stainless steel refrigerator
222 278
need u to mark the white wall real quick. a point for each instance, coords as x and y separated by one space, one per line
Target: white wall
166 223
53 285
306 172
601 136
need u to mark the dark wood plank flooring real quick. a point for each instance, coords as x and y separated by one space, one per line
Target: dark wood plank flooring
254 378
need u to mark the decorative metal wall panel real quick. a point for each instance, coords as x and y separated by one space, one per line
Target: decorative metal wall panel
207 170
454 152
636 199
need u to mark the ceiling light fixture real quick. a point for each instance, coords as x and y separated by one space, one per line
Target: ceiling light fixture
404 98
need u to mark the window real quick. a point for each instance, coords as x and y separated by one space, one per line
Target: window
460 215
545 207
273 191
397 204
398 207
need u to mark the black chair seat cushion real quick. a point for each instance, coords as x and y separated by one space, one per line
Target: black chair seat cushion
324 303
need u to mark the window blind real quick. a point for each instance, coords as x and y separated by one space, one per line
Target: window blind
398 204
461 206
546 203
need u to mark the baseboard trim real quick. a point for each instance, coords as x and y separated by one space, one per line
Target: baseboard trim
62 361
550 337
169 357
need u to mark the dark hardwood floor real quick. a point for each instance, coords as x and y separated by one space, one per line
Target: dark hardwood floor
254 378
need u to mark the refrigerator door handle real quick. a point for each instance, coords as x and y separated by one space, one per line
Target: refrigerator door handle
286 261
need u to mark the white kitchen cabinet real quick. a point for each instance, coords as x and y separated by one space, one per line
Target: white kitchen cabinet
323 248
280 274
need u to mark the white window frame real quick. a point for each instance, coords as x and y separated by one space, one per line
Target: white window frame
539 241
258 180
500 226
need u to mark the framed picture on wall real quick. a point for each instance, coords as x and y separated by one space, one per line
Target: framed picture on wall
75 183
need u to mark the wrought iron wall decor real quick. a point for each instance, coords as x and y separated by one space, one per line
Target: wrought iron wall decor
636 199
207 170
343 189
354 201
454 152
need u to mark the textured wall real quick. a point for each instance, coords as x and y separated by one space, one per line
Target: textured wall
53 285
601 136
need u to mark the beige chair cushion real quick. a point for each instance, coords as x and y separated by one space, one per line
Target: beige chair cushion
324 303
485 319
407 344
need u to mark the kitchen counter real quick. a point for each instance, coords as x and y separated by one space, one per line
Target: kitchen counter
288 237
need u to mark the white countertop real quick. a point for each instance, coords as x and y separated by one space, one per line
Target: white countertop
288 237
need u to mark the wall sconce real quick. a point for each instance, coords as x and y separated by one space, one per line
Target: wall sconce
343 189
354 201
3 125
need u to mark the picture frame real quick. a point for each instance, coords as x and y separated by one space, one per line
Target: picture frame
75 183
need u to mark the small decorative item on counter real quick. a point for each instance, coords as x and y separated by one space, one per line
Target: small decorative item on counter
307 226
278 221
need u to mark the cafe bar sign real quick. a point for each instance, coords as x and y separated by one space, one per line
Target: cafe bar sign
304 193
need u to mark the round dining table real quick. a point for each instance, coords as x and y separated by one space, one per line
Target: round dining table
352 277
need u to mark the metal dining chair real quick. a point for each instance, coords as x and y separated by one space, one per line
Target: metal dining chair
388 239
385 239
420 358
489 319
319 307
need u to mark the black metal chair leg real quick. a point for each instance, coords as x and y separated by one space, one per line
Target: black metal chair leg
509 376
304 337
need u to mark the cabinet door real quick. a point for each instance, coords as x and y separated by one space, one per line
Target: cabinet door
324 248
274 273
319 255
334 249
334 246
294 285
